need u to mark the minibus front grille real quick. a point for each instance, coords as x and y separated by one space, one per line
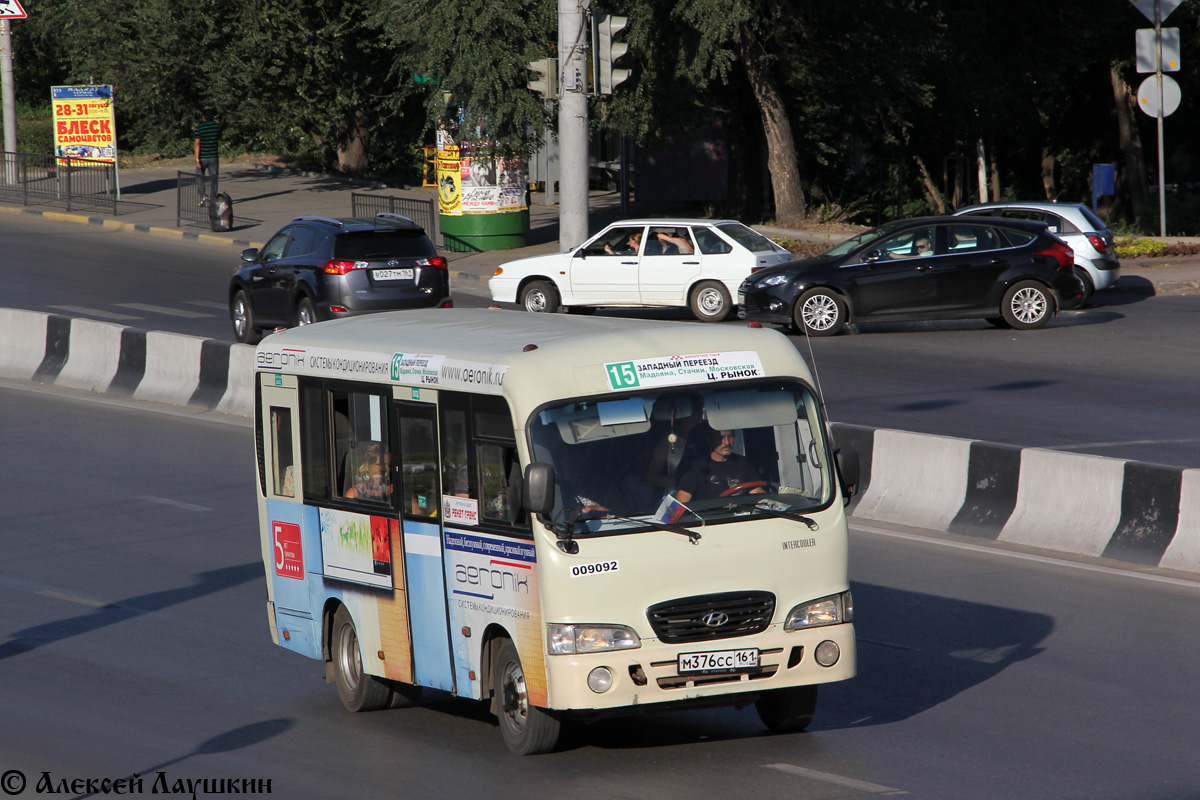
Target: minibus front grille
712 616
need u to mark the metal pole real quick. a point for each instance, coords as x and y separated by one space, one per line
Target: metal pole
572 124
1158 75
8 95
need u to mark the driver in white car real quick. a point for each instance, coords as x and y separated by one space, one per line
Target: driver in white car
720 474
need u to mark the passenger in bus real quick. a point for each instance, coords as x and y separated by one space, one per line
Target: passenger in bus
370 478
723 470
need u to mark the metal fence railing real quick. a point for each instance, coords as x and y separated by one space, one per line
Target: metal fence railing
194 198
34 179
422 212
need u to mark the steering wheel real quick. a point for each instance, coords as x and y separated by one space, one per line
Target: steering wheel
742 487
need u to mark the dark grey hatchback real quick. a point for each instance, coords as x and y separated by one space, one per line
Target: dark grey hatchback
1010 272
319 268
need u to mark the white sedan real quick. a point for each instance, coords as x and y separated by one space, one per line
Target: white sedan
697 263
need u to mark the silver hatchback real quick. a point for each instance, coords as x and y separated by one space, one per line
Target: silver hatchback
1096 261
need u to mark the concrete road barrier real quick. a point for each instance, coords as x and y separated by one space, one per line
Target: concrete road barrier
1088 505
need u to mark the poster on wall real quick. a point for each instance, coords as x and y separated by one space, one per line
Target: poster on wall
449 181
83 123
492 185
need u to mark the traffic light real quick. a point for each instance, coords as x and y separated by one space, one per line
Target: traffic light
546 82
608 51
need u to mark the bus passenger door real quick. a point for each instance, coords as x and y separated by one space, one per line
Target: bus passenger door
417 477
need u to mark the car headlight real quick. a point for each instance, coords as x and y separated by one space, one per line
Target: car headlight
775 280
564 640
827 611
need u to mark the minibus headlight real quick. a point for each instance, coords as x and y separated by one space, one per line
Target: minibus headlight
827 611
570 639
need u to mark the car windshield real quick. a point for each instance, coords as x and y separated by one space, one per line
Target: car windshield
684 458
858 240
748 238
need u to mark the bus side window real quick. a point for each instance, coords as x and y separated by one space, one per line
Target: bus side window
314 442
420 496
362 458
456 473
500 473
282 461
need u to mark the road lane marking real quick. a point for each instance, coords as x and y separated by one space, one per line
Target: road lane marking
1130 572
851 783
176 503
70 598
207 304
95 312
170 312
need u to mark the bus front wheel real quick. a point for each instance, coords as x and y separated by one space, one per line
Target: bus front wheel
358 690
527 729
787 710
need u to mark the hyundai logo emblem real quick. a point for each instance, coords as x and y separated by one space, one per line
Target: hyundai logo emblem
715 619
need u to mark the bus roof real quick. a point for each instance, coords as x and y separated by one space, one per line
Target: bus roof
510 353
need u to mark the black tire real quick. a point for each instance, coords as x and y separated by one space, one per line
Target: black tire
787 710
242 316
527 729
1089 288
709 301
1027 306
540 297
819 312
305 313
358 690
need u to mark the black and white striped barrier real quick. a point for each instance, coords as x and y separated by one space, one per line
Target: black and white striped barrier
115 360
1082 504
1070 502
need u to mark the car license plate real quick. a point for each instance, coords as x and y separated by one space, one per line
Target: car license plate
392 274
713 661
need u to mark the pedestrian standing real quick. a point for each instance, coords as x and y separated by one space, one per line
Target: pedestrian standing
207 134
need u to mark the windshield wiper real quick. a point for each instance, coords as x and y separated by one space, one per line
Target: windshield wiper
774 508
692 535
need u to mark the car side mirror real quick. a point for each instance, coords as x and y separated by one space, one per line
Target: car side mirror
538 495
250 254
872 257
847 467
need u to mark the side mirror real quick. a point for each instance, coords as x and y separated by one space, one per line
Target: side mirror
872 257
539 488
847 467
250 254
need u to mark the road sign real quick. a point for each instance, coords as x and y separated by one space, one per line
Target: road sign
11 9
1146 58
1165 7
1148 96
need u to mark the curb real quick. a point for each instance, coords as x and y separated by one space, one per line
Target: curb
1082 504
104 222
1087 505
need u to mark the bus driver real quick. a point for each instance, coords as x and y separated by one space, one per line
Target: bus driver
724 469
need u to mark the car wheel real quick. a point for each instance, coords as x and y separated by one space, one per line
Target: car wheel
787 710
710 301
1088 286
527 729
243 319
358 690
540 297
1027 306
305 313
820 312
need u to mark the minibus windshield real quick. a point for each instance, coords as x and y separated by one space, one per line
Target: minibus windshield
684 457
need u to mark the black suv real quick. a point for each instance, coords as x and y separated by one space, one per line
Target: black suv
319 268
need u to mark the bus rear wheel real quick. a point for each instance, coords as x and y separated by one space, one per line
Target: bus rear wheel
358 690
787 710
527 729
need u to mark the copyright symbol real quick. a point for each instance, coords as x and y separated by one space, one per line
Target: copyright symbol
12 782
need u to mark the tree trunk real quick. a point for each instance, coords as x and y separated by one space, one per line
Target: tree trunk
781 147
931 191
1131 147
1048 175
354 138
995 172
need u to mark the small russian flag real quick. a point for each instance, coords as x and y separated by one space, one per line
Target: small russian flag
669 510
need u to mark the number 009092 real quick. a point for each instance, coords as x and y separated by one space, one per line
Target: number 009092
594 569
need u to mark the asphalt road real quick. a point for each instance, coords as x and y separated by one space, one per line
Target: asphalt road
1117 379
135 641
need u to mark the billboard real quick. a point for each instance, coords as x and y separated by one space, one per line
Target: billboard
83 122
